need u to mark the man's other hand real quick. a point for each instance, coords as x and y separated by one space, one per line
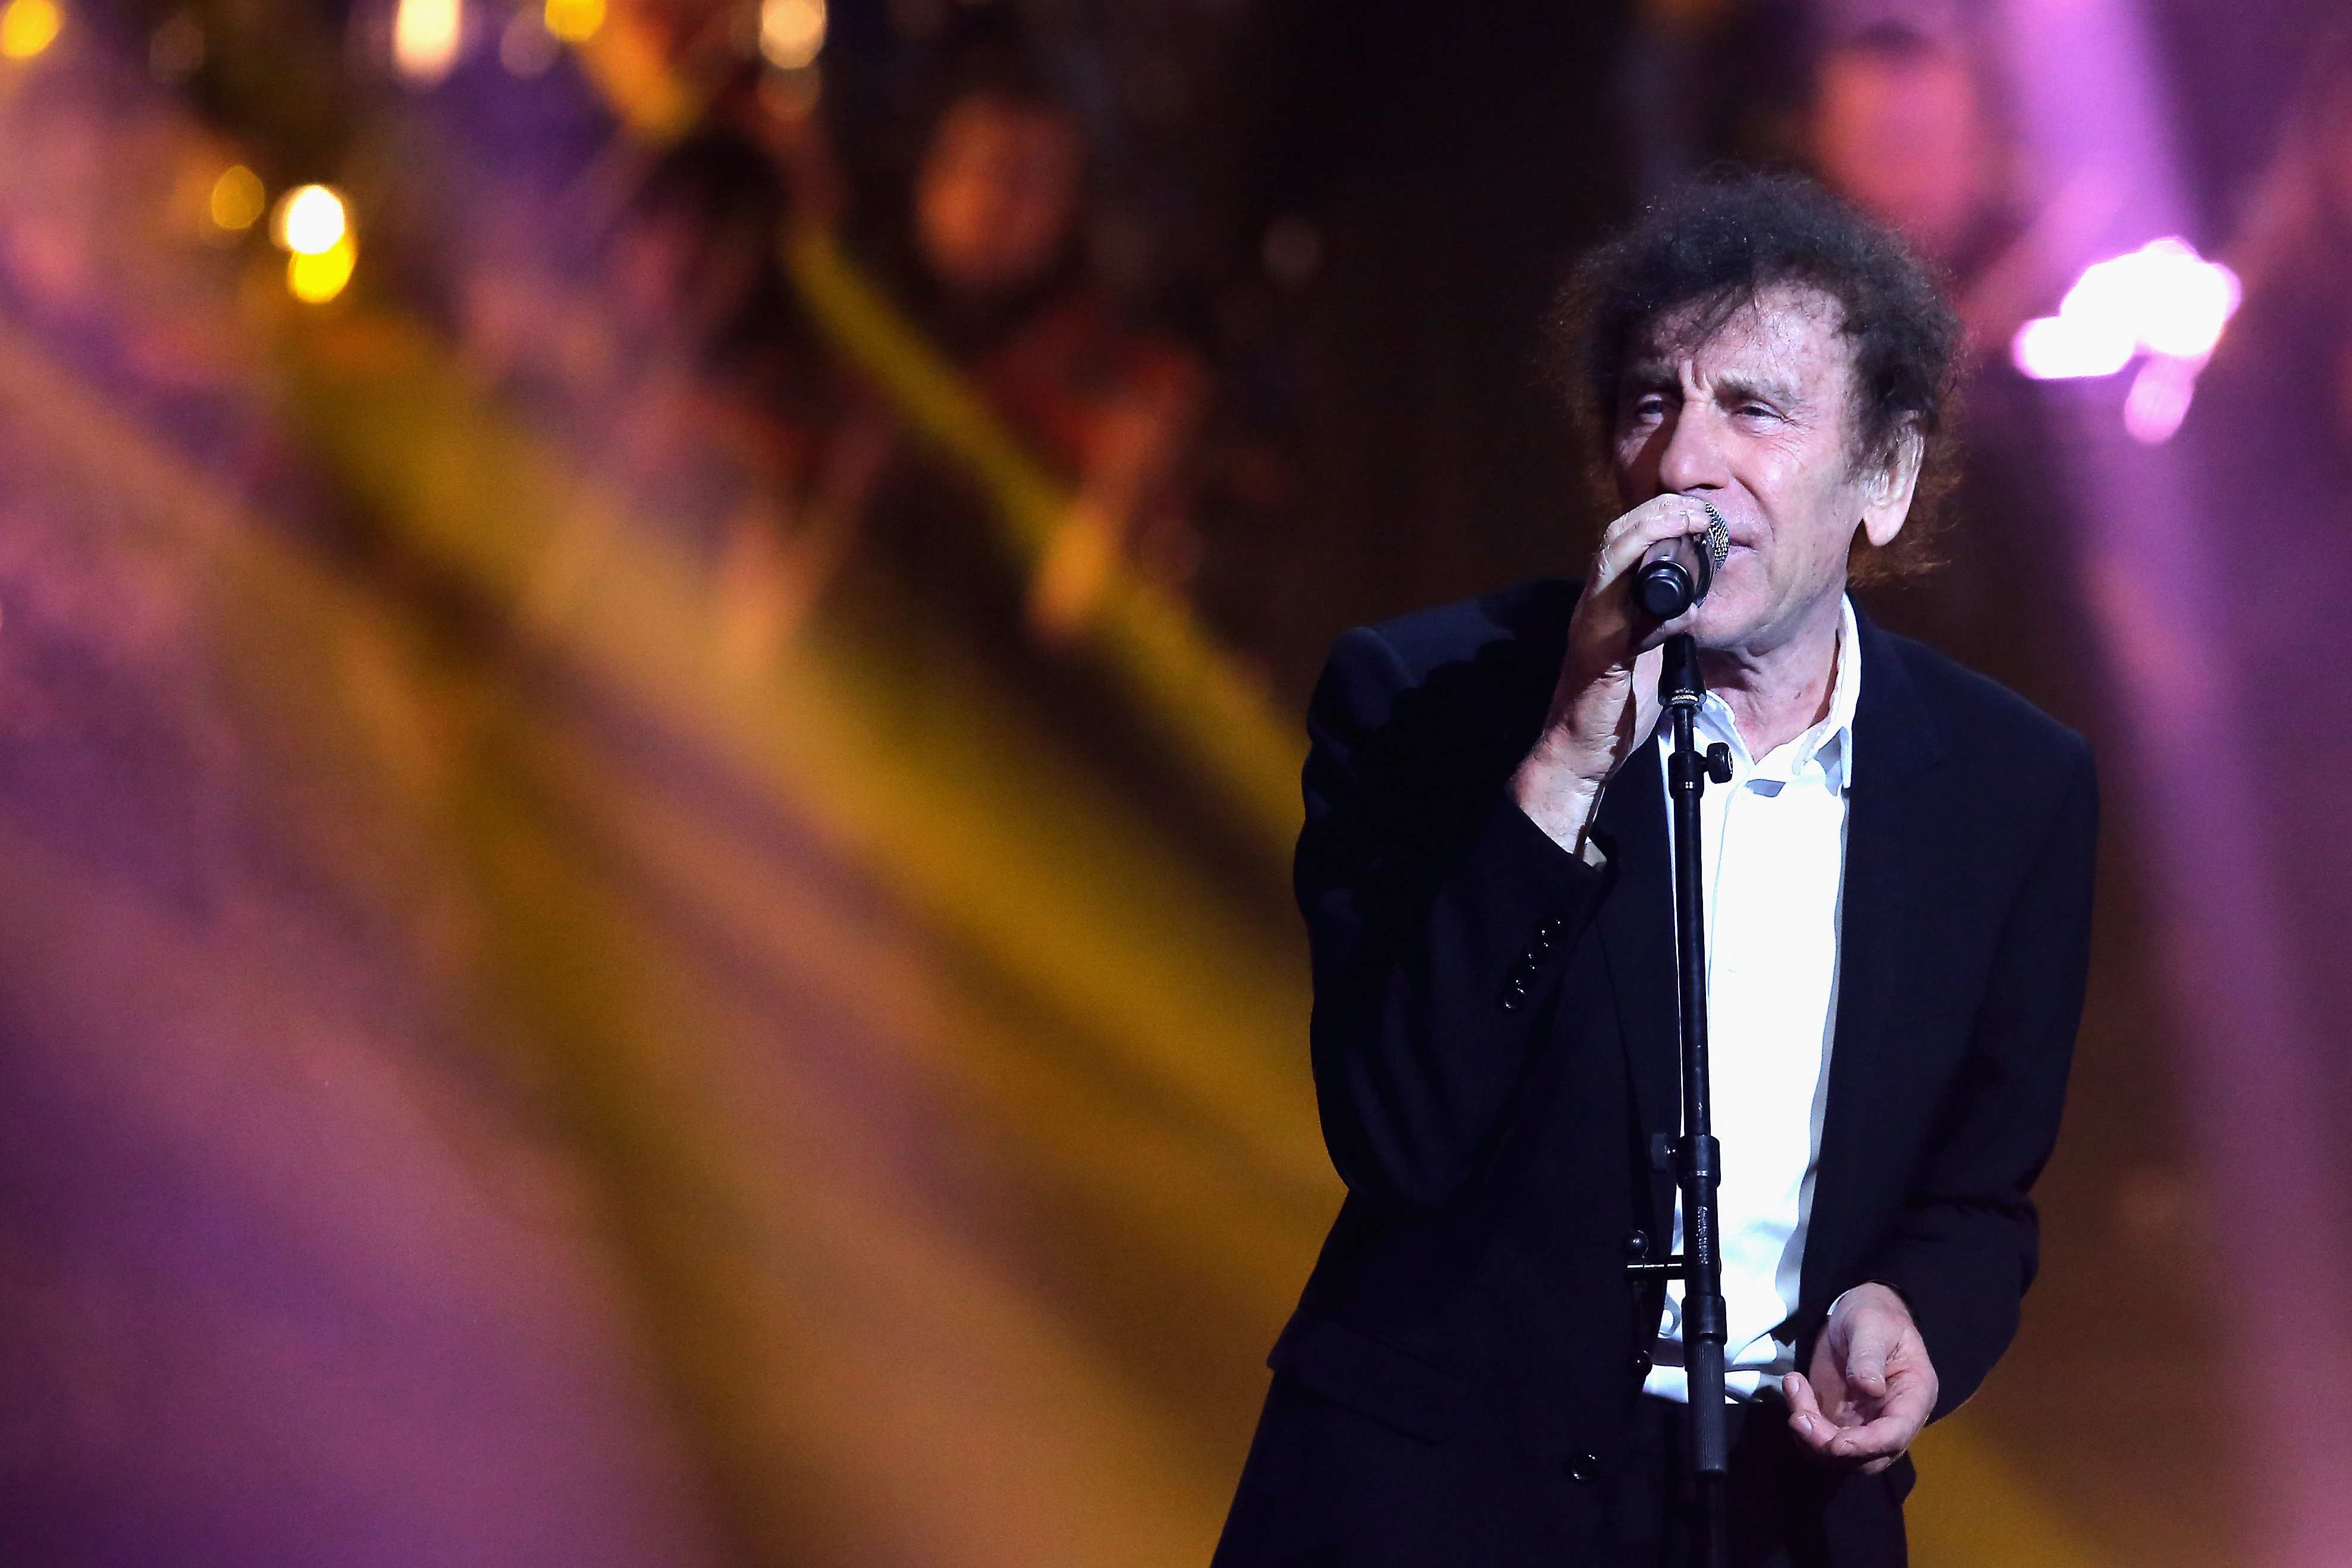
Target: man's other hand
1872 1386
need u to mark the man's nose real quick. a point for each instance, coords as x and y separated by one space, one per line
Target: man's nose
1693 455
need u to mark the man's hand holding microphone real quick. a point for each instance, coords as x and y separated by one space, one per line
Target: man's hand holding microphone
1606 701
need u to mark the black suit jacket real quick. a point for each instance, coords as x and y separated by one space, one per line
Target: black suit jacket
1466 1357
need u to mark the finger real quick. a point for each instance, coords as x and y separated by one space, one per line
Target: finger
1669 509
1865 1356
1885 1437
1910 1397
1805 1417
1897 1426
1631 536
1827 1374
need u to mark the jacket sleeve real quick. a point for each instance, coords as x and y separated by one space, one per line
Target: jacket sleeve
1439 917
1966 1245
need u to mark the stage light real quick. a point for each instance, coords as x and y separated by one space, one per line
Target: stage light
574 21
238 199
2184 299
316 277
426 34
2163 298
311 220
2061 348
29 27
791 33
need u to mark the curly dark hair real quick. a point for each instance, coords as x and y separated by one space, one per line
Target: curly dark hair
1712 247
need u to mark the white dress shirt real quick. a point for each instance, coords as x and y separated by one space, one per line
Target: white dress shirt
1774 844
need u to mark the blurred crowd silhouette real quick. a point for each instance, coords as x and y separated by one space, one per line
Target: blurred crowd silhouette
1148 326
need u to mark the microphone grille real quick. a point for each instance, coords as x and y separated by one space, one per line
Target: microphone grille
1718 537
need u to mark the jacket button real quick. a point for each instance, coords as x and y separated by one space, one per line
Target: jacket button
1585 1467
1641 1363
1515 989
1637 1244
1549 932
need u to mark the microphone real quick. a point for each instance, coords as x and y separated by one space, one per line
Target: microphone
1675 574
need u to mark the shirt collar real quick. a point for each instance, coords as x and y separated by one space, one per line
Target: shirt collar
1829 742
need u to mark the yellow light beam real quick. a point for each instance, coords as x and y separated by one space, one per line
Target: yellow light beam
1210 715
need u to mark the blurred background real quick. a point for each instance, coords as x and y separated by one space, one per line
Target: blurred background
651 656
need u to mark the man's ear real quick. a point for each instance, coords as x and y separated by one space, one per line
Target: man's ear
1887 490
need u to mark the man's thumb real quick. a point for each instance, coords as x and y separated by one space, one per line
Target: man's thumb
1865 1359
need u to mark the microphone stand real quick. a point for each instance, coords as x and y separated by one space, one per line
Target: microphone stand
1696 1157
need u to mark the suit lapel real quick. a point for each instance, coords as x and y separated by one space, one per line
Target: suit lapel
1637 933
1889 824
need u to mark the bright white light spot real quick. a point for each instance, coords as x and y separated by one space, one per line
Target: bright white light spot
310 219
791 32
2063 347
2185 300
2107 301
2163 298
425 39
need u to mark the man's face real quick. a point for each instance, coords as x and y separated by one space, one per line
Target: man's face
1757 419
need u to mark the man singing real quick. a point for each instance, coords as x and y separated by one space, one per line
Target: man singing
1897 890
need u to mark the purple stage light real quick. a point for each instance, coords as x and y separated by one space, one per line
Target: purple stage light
2259 1040
2163 301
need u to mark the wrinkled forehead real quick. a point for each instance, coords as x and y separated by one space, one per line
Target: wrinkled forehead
1784 336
